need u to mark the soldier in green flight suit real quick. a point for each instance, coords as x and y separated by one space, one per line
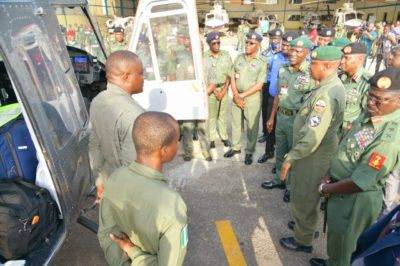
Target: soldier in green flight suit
142 221
315 139
243 29
367 154
355 81
185 71
218 69
250 71
294 82
119 42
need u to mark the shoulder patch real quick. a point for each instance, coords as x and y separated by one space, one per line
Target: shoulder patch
314 121
320 106
376 161
184 238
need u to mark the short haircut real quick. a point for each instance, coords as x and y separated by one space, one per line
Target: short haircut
119 61
154 130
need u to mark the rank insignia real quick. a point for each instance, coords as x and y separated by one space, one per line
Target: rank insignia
302 79
314 121
347 50
319 106
376 161
384 83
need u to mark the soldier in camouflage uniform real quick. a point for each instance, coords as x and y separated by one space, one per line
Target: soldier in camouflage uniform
119 42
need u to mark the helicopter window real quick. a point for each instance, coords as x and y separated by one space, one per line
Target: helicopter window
59 97
295 18
168 7
360 15
350 16
143 52
78 32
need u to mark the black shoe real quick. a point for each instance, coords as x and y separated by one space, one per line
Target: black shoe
291 244
195 136
249 159
207 156
262 139
212 145
263 158
322 207
317 262
187 158
273 170
226 142
272 184
286 196
291 224
231 153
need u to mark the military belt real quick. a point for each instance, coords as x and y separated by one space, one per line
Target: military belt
285 111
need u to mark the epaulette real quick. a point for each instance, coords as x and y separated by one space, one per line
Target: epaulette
391 131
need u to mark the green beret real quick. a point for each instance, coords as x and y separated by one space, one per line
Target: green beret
340 42
388 79
302 41
327 53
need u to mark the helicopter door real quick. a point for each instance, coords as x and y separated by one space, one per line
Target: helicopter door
166 39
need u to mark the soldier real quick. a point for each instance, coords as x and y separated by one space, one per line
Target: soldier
249 75
242 31
111 114
275 61
185 71
142 221
294 83
355 81
315 139
218 68
325 36
358 169
119 42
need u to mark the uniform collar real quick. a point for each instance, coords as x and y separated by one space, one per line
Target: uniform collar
379 121
146 171
212 55
328 79
358 75
116 89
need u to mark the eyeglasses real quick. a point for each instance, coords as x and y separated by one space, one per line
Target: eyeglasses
251 43
215 43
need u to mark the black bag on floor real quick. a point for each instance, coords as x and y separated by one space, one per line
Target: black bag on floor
28 216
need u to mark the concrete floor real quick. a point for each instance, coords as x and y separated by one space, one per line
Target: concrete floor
224 189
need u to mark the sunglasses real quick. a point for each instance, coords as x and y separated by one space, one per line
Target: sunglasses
215 43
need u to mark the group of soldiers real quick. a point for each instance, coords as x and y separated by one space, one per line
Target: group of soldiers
332 123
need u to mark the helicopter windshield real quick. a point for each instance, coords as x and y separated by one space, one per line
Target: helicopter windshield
78 32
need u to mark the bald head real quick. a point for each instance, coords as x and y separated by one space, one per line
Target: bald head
119 61
154 130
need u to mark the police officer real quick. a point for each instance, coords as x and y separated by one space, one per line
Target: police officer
359 168
249 75
119 42
271 54
185 71
111 114
315 139
275 61
355 81
142 221
294 83
218 69
325 36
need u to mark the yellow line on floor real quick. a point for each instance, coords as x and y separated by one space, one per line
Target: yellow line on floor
230 244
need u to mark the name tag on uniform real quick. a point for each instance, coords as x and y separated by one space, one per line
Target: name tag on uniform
284 90
237 75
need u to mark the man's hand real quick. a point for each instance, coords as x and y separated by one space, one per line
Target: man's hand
99 193
325 180
270 124
284 170
218 95
239 102
124 243
211 89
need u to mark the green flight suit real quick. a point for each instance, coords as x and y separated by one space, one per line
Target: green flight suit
243 29
112 113
247 73
185 71
292 87
117 46
138 202
217 70
314 141
356 88
367 154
